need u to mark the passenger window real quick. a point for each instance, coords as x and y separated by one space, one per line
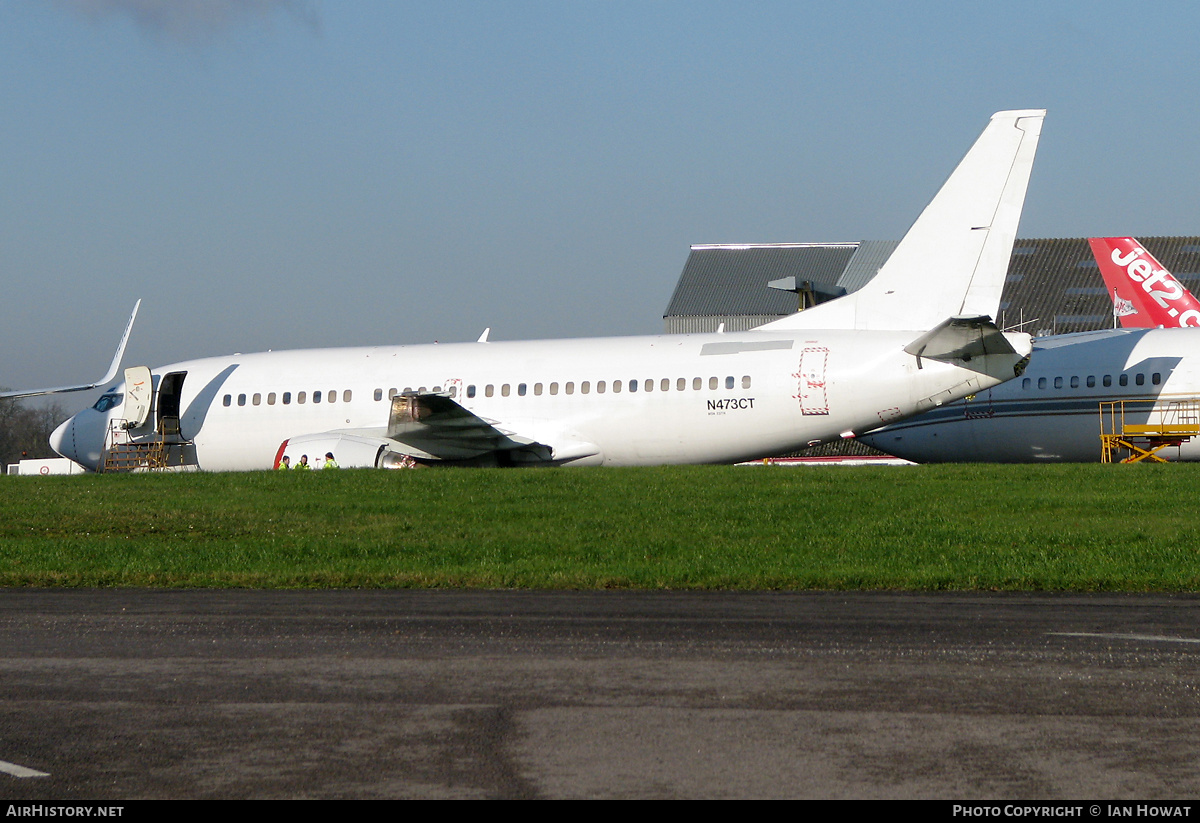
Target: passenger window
316 397
648 385
681 384
1026 383
1156 378
346 395
665 385
569 388
585 387
332 396
287 398
241 399
226 400
453 392
1075 381
713 382
633 385
471 390
1123 380
1041 382
300 397
392 393
489 390
537 389
554 388
379 394
505 390
1091 381
1058 382
697 383
271 399
521 389
1140 379
616 386
729 382
256 399
745 381
1107 380
600 384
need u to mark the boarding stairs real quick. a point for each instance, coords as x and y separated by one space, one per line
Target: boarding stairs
1158 425
124 454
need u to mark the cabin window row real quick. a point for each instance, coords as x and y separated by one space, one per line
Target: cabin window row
616 386
287 398
1075 381
506 389
584 387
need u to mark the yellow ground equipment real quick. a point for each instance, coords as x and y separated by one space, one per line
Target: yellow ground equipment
1145 426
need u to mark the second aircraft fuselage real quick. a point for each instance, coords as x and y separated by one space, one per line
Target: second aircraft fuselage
1052 412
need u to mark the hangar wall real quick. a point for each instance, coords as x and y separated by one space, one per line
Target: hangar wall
1053 284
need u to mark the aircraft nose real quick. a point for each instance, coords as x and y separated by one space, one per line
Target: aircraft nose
62 439
81 438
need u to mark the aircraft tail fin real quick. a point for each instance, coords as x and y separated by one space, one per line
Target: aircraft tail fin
1145 295
954 259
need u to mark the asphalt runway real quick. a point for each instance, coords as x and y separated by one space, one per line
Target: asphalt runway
128 694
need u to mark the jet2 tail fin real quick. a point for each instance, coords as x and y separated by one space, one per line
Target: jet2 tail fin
1144 293
954 259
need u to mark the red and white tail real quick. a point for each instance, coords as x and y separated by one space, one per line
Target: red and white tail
1144 294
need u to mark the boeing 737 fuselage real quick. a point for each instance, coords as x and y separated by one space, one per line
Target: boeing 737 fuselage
709 398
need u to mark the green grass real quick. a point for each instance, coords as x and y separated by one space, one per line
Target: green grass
1083 528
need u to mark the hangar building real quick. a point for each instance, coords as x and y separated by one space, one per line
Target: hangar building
1053 285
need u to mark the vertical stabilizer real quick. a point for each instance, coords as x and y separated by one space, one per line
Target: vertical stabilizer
1145 295
954 259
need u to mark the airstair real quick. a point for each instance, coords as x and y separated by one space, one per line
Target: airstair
122 453
1144 427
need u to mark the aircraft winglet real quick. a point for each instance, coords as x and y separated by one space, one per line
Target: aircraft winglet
109 375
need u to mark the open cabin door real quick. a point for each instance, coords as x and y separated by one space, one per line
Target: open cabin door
139 391
170 390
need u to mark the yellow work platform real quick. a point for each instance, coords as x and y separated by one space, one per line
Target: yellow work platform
1145 426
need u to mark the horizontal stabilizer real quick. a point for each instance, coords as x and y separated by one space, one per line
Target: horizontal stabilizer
961 339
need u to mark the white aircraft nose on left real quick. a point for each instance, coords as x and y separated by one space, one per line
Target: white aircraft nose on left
81 438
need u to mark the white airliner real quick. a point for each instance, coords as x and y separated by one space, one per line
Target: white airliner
918 336
1052 414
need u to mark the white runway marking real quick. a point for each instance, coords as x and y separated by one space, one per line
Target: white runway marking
1152 637
20 771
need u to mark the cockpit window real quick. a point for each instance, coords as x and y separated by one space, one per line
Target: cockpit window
107 401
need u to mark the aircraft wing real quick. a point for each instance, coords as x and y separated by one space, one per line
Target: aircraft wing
109 375
431 427
436 425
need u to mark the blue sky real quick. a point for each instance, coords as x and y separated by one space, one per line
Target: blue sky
292 174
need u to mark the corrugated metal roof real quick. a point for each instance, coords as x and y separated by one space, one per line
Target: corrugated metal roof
1053 284
1058 284
868 259
732 279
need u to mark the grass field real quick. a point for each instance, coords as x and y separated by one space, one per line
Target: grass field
1083 528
